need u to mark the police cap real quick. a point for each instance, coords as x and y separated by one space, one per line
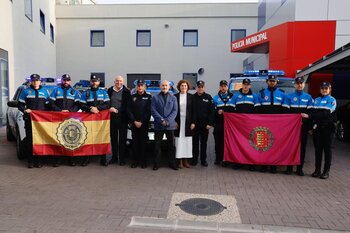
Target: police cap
272 77
246 81
140 82
200 83
299 80
66 77
94 77
325 84
223 82
35 77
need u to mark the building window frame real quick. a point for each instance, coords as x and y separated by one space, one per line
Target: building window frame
192 78
42 21
138 34
52 33
28 9
102 42
238 30
187 43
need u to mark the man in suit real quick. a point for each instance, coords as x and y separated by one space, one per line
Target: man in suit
164 109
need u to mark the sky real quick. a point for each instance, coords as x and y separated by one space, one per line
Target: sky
167 1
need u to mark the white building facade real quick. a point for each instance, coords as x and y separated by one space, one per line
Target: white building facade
153 41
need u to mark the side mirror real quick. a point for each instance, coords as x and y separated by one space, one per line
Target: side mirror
13 104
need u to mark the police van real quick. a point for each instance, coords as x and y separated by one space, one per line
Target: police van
258 80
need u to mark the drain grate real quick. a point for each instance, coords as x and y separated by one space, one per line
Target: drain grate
201 206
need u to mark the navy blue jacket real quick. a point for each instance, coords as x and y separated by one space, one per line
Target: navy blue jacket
164 111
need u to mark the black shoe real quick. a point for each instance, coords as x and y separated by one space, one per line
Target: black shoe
134 165
85 162
72 164
30 165
236 166
217 162
251 168
193 163
324 175
144 165
155 167
273 169
113 160
300 173
289 170
122 163
263 169
172 166
316 174
224 164
39 165
104 163
204 164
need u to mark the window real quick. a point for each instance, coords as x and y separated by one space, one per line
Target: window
97 38
190 38
143 38
28 9
42 22
237 34
191 78
52 33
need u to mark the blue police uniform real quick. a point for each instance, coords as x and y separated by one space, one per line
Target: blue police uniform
64 98
221 101
244 102
94 97
273 101
324 118
34 99
300 102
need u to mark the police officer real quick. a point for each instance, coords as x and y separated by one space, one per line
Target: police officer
324 118
272 100
221 102
139 113
245 101
119 96
204 120
300 102
35 97
94 100
64 98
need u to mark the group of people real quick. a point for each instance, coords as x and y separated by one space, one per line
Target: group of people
183 118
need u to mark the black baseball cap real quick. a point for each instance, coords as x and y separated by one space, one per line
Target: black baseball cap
299 80
140 82
200 83
246 81
94 78
66 77
35 77
223 82
325 84
272 77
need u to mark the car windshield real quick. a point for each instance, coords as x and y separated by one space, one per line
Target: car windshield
287 85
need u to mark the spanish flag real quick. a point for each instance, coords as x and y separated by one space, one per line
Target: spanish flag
71 133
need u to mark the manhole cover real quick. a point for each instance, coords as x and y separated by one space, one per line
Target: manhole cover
201 206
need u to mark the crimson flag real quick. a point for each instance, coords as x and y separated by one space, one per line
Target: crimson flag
262 139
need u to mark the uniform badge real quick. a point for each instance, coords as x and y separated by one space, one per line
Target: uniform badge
71 134
134 99
295 99
266 98
333 103
58 92
240 96
261 138
30 92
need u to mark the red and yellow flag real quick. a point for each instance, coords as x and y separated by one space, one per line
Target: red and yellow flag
71 133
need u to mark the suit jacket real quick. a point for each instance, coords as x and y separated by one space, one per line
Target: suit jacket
164 111
190 118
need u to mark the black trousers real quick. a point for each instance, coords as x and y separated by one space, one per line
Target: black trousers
303 143
118 129
199 140
219 143
323 138
170 146
139 137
